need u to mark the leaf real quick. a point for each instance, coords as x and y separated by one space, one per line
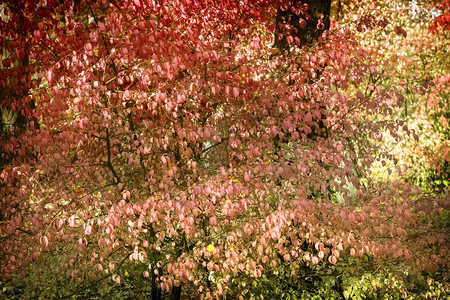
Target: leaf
127 95
44 241
290 39
308 117
235 92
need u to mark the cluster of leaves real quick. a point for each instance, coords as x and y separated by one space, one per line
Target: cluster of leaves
442 20
417 66
169 148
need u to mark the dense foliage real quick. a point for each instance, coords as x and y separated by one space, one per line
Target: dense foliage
239 149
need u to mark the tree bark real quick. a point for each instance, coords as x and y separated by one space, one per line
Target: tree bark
156 291
175 294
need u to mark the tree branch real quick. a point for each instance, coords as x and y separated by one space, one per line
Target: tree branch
109 163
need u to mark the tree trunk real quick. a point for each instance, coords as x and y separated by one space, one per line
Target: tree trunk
175 294
156 291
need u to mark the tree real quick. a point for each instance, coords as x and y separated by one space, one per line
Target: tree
424 109
169 148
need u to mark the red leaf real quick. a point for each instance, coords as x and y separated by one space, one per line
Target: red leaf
126 95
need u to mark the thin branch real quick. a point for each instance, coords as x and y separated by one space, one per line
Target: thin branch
98 280
109 163
212 146
103 39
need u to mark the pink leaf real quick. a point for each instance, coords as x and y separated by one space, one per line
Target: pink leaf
88 229
48 75
332 260
308 117
213 221
289 39
126 95
72 222
246 177
88 47
235 92
44 241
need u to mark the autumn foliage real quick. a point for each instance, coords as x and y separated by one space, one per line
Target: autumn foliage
202 149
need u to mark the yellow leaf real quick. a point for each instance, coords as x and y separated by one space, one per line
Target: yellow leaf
346 294
210 248
274 51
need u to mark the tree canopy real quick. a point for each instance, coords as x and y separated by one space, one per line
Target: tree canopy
224 149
